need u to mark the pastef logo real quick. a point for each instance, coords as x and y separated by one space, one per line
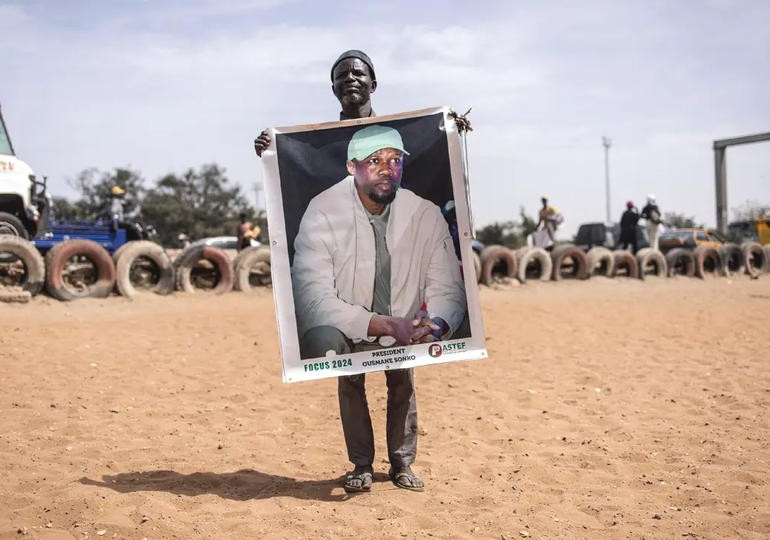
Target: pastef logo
435 350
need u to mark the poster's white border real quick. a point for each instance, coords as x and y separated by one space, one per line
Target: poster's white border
474 347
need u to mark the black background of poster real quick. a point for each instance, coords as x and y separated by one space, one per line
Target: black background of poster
312 161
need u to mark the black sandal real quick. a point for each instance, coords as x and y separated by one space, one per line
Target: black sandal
358 475
405 472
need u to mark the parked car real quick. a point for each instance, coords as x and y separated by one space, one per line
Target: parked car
223 242
689 238
606 235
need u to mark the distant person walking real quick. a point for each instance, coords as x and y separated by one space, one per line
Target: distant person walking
550 219
651 214
628 224
244 232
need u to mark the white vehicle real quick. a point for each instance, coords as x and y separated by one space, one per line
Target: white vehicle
25 206
224 242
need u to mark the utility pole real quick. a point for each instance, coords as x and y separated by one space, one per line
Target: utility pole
258 188
607 143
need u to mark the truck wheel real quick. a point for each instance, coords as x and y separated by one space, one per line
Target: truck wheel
601 262
651 262
680 262
143 263
735 260
625 264
11 225
572 258
69 276
252 268
534 263
707 262
215 273
25 267
497 261
756 261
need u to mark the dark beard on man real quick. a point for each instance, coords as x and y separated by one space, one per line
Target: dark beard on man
382 199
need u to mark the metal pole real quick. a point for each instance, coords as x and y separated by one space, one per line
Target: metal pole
607 143
721 189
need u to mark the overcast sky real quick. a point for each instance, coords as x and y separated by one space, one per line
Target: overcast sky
163 85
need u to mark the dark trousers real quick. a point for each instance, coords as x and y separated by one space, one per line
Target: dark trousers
628 241
401 423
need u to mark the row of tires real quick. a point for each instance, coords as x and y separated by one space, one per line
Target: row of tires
133 268
529 263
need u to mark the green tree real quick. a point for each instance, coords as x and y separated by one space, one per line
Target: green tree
95 189
61 208
197 203
680 221
751 210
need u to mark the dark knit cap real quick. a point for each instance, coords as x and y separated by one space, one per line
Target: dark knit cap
355 54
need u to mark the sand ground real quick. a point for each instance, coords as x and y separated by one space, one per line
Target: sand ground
608 409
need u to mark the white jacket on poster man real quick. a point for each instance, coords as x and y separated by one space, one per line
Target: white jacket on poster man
334 263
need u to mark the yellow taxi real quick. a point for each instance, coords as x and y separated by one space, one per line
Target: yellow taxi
689 238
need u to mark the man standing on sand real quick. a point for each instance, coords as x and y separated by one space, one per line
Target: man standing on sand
353 81
651 213
628 222
244 232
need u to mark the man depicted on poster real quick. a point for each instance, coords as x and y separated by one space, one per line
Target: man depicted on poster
353 81
369 255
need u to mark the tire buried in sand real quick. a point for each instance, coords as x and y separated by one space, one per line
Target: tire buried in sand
766 250
534 263
578 262
477 265
734 259
156 263
59 259
497 261
601 262
29 264
626 264
680 262
651 263
707 262
187 269
756 260
252 262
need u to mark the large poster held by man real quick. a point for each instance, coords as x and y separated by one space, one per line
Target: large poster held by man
370 237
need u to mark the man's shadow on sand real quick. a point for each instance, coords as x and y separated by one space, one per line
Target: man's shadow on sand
243 485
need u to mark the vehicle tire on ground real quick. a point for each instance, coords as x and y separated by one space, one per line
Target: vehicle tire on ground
118 252
477 265
626 265
680 262
756 259
766 250
57 260
651 263
568 252
534 263
497 261
10 225
162 268
191 256
601 262
254 260
734 259
28 262
708 262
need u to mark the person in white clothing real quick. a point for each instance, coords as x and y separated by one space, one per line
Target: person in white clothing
651 214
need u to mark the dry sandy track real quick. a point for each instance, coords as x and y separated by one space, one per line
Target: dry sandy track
603 405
